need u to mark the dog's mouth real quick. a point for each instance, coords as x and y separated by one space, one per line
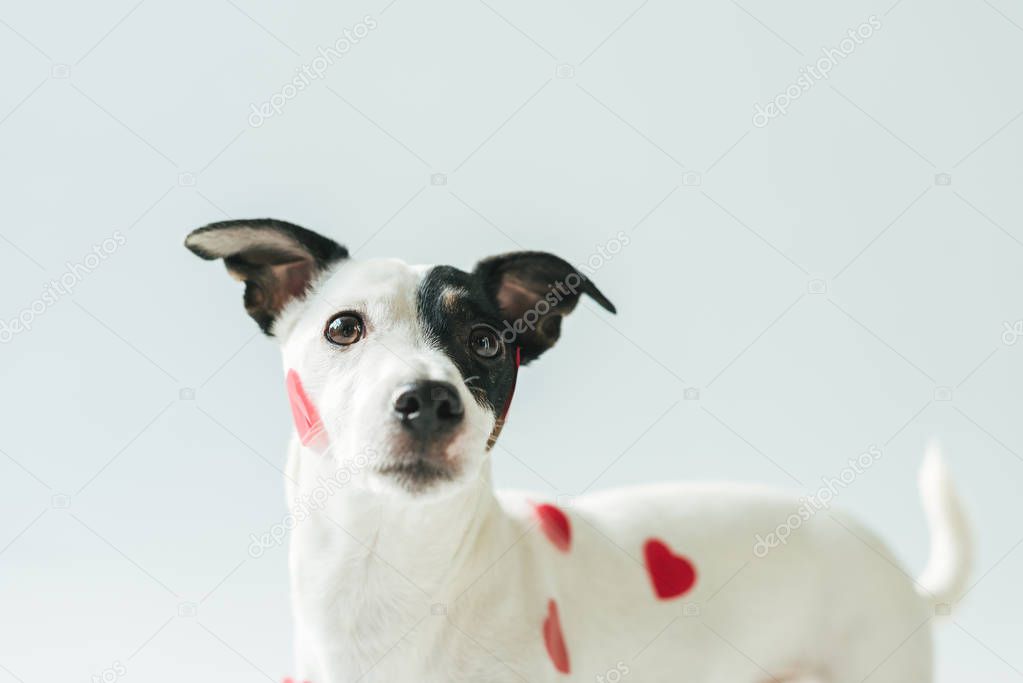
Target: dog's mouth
417 474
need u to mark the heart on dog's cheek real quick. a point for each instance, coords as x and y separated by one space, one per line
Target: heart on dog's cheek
307 419
554 639
672 575
555 526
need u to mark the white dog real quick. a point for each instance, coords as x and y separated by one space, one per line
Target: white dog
407 567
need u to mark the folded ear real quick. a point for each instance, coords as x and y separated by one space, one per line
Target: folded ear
534 291
276 260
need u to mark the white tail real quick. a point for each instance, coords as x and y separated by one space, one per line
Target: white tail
948 568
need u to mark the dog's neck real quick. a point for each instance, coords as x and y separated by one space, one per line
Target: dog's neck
387 542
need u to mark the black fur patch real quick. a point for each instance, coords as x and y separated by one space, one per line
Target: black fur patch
450 304
535 291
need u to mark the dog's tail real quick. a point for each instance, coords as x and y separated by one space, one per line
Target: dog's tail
948 568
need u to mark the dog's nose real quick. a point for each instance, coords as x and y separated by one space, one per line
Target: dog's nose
428 407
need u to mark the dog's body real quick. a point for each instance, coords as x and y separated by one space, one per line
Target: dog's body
459 591
410 568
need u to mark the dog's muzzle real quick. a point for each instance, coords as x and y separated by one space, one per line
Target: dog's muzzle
428 408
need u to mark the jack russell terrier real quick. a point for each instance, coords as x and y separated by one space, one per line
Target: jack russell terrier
407 566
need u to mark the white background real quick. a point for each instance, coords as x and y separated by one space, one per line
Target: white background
811 280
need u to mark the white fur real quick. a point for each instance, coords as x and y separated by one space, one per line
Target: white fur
453 586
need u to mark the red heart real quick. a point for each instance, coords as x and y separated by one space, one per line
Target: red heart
555 525
672 575
553 638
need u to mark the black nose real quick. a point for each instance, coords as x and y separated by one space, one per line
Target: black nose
428 407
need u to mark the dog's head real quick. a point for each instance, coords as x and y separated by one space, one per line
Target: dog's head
414 365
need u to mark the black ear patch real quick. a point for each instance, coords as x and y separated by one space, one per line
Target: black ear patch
534 291
276 260
450 305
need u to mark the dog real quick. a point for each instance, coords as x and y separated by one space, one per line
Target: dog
407 566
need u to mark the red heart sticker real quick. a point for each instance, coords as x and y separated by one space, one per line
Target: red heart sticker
553 638
307 419
672 575
555 526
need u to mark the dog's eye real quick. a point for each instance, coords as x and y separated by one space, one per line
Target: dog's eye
485 342
344 329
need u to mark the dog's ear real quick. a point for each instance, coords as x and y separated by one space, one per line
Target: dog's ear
534 290
276 260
